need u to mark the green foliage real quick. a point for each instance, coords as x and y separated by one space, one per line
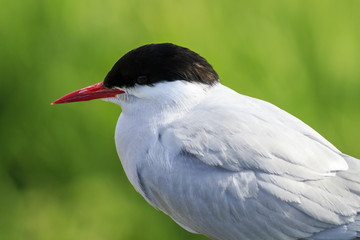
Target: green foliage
60 177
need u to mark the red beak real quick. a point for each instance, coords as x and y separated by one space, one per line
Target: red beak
89 93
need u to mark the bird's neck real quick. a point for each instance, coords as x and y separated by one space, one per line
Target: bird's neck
170 101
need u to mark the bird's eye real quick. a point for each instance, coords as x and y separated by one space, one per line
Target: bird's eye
141 79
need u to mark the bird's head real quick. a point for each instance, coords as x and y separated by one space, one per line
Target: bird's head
142 73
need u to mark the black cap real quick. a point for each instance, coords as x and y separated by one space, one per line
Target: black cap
154 63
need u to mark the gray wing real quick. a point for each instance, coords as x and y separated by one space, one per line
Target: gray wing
255 172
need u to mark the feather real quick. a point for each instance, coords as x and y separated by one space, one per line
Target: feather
241 168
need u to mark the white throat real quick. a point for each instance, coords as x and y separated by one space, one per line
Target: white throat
163 100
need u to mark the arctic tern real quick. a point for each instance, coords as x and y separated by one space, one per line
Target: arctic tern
220 163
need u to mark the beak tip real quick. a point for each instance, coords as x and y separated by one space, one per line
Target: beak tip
58 101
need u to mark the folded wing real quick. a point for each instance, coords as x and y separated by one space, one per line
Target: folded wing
272 174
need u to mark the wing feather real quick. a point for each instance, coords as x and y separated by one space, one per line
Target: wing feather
266 172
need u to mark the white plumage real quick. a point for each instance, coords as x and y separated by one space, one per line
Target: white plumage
220 163
234 167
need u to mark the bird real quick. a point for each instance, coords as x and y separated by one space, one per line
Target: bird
219 163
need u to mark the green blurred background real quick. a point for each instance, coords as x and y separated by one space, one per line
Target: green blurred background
60 177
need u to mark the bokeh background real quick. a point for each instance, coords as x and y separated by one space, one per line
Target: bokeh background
60 177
